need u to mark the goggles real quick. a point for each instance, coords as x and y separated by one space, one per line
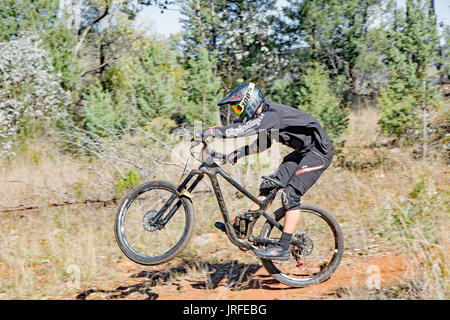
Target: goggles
238 109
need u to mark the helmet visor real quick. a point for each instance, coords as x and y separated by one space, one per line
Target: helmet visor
238 109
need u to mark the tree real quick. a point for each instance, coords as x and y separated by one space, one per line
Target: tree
18 16
332 33
202 89
103 30
411 52
59 43
101 114
445 68
30 93
318 100
236 35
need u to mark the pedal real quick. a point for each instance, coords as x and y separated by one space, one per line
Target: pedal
220 226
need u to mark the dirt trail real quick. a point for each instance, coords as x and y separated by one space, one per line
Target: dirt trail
251 282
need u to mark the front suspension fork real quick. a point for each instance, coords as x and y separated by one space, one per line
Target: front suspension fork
158 220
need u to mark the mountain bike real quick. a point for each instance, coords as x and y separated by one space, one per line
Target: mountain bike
155 222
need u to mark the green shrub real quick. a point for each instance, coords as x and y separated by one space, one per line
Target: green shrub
131 180
102 114
318 100
398 118
203 89
31 98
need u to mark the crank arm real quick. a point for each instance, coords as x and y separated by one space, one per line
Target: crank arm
260 240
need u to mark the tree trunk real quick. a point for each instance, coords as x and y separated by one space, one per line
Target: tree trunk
85 32
433 20
214 35
408 11
395 16
424 121
73 9
200 22
102 59
213 27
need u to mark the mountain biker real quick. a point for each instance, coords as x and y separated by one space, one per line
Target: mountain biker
299 170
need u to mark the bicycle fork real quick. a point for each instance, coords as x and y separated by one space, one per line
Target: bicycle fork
158 220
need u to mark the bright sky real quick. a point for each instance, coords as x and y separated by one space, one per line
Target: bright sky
168 22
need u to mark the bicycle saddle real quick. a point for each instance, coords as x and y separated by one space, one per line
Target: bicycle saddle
274 181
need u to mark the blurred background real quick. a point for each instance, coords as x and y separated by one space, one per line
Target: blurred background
97 96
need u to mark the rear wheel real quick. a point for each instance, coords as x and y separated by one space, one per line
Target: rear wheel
145 242
316 248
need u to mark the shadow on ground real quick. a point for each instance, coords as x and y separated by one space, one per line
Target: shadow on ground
233 275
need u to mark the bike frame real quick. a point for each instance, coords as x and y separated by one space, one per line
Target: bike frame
212 169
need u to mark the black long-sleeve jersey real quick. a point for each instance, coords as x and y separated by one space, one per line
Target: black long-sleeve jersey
282 123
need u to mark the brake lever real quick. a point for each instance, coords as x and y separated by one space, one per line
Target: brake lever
195 143
216 155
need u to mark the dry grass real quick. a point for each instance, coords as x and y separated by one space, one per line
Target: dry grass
56 252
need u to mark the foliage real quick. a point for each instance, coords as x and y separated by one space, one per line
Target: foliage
131 180
398 118
318 100
323 56
155 87
416 225
202 90
410 50
235 33
421 210
135 91
284 91
335 34
29 89
445 67
101 113
19 16
59 42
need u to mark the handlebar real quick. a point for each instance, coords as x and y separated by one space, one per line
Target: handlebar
214 154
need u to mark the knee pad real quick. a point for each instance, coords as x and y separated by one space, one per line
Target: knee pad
290 199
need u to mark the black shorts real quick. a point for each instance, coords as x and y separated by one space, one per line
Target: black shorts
299 172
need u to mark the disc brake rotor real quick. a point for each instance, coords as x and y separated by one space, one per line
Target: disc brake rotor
302 245
147 221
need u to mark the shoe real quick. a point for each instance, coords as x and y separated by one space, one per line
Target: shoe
273 252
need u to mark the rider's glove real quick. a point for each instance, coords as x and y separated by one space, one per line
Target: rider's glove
198 135
234 156
202 134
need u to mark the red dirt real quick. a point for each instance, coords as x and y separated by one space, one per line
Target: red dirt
365 273
391 269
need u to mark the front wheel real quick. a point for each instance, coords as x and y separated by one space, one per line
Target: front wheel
139 237
316 248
